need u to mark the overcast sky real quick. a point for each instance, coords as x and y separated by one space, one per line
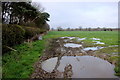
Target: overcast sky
85 14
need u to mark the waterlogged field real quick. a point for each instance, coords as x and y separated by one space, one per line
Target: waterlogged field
108 37
20 64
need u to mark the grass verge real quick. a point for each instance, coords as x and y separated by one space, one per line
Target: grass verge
19 64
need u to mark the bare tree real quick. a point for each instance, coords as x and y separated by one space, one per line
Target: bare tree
38 6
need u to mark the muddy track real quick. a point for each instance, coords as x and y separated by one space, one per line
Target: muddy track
56 48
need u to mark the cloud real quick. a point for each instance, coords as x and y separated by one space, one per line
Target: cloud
85 14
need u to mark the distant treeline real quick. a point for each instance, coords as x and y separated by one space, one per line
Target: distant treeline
85 29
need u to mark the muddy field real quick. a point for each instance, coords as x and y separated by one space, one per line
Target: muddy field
72 57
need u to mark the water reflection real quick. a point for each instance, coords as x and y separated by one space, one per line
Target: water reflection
82 66
92 48
73 45
95 39
98 42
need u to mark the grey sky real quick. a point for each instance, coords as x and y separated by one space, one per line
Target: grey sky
85 14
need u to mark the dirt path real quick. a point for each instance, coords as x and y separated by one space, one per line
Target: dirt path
59 48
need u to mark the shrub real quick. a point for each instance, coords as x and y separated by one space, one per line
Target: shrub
31 31
11 35
44 27
30 24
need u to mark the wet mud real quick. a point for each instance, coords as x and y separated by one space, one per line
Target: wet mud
52 64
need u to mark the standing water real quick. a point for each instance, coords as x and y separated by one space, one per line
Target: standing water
92 48
98 42
73 45
80 39
82 66
95 39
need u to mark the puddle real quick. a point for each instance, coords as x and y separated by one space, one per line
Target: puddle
92 48
68 37
95 39
80 39
98 42
113 46
115 53
71 37
82 66
73 45
40 38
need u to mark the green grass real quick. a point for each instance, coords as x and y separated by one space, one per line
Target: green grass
108 37
20 64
